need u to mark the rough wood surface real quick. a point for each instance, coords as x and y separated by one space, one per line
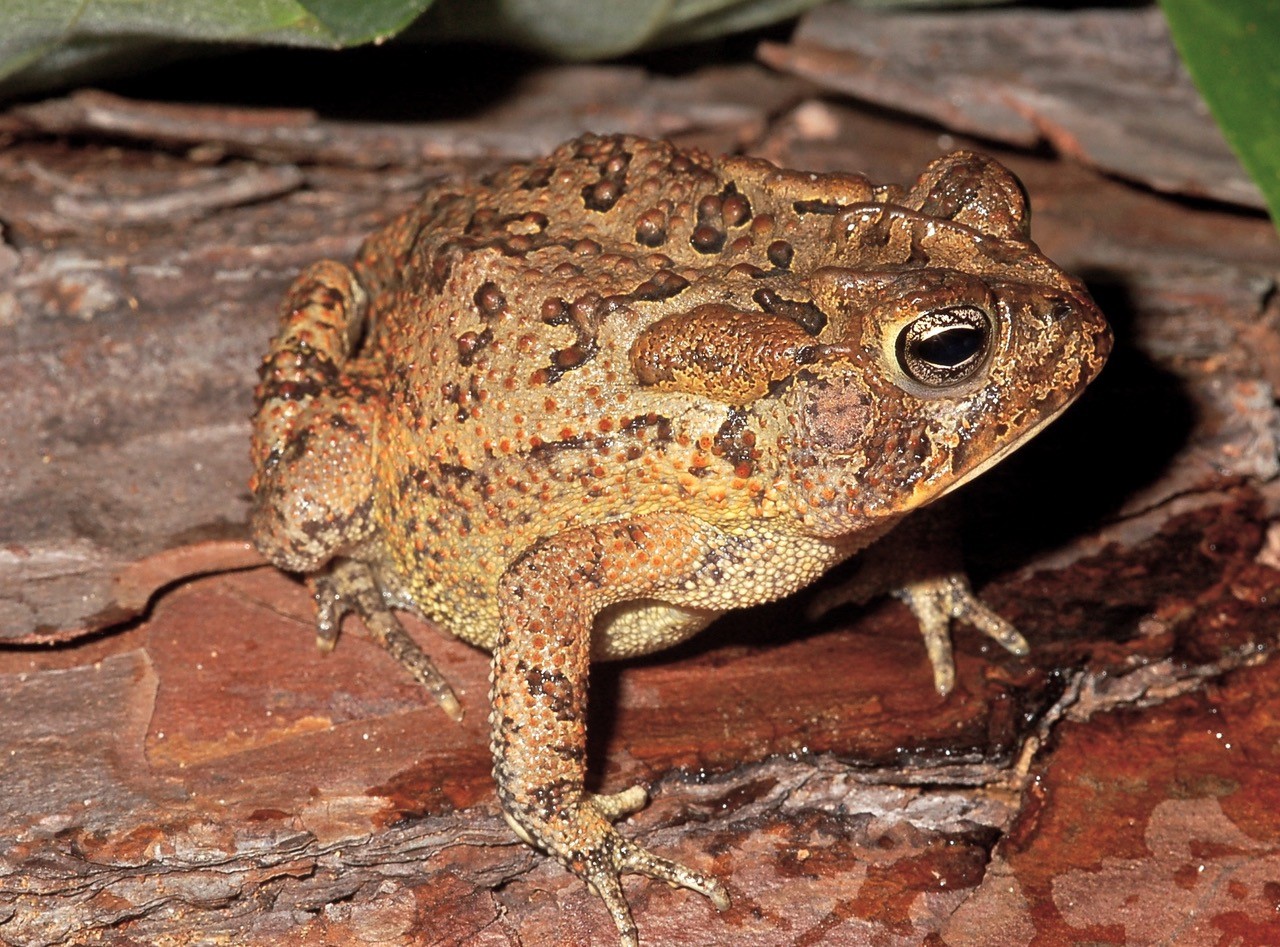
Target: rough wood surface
184 768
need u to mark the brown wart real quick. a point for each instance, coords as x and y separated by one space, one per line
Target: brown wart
973 190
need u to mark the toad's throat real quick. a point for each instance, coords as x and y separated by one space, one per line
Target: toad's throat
1003 452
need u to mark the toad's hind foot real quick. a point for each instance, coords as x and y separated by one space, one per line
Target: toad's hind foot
619 805
348 585
584 840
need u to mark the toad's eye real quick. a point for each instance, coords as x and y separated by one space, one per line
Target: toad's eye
945 346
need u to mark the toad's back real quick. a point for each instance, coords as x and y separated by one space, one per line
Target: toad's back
504 321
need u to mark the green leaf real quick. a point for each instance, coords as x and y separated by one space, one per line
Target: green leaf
60 42
49 41
596 29
357 22
1232 49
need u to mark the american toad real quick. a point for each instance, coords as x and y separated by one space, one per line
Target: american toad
579 409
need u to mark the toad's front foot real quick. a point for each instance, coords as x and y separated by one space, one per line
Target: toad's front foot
582 837
937 600
348 585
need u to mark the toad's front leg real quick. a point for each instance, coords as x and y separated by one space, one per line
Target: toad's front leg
549 599
919 563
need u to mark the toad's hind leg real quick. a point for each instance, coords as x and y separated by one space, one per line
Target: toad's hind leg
312 457
311 450
348 585
548 600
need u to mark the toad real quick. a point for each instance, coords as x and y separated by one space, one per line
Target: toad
578 409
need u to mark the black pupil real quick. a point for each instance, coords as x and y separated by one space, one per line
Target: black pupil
950 347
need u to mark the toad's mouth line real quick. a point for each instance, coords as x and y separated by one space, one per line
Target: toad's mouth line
1005 451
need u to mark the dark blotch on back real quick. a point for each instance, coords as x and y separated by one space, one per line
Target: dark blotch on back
804 313
663 284
829 208
736 442
602 195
